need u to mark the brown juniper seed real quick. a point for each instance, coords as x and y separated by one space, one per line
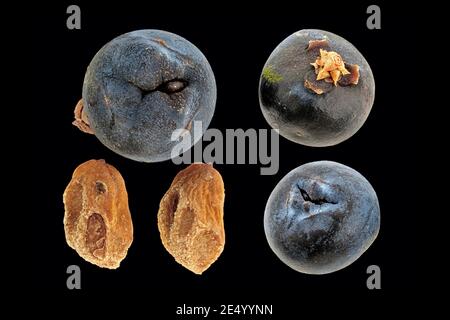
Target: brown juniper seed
97 219
190 217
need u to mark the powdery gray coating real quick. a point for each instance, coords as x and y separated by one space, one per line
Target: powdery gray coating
303 116
321 217
127 98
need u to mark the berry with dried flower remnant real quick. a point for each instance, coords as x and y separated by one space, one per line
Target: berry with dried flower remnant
316 88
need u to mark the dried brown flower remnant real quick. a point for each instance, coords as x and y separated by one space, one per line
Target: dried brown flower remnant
311 86
81 121
329 65
318 44
190 217
352 77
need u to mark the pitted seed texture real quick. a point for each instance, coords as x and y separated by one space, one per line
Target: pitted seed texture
190 217
97 221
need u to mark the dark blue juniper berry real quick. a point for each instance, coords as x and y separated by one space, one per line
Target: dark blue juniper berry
140 87
321 217
316 88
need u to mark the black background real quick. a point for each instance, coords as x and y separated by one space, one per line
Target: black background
237 42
